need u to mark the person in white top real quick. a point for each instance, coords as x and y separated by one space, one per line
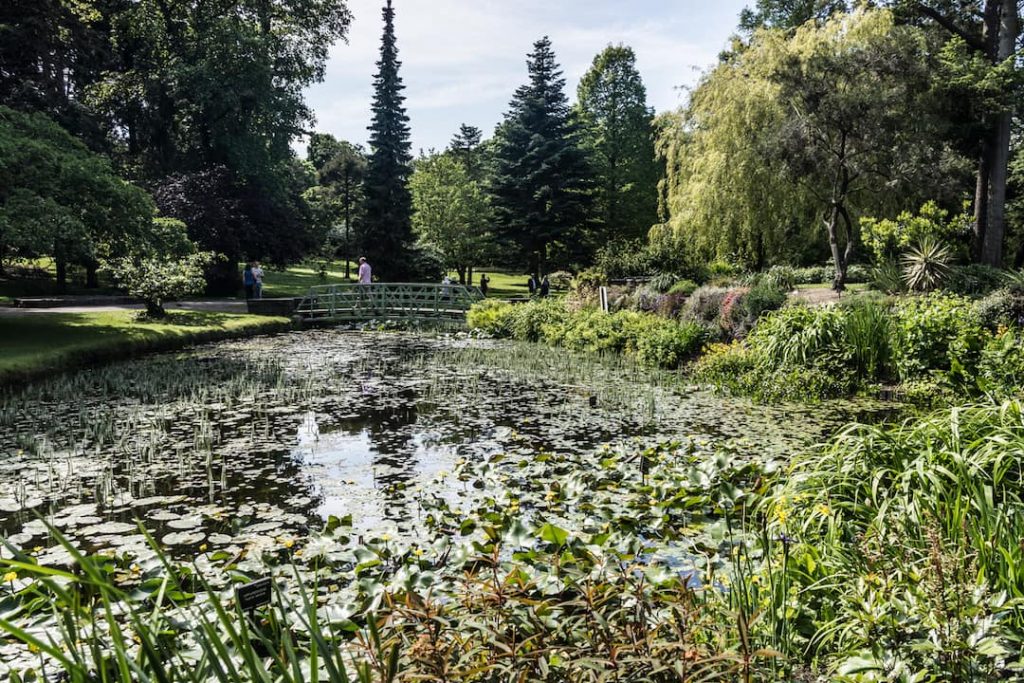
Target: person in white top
365 272
257 276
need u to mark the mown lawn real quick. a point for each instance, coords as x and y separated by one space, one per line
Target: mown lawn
35 343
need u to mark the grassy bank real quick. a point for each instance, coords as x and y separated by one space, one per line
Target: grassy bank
33 345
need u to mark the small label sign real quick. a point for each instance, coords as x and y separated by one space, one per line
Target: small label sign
254 594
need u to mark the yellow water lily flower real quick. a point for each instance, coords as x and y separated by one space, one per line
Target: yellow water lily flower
10 576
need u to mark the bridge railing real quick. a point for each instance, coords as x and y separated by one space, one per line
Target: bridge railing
392 300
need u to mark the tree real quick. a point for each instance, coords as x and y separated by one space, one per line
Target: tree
387 227
856 90
619 135
789 14
981 58
541 184
831 118
59 199
341 167
452 212
164 265
466 146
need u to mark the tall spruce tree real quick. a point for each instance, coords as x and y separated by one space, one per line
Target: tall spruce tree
541 181
618 134
387 236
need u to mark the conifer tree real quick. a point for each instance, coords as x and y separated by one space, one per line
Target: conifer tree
541 181
619 136
387 236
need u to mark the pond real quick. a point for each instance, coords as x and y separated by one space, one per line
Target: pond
244 443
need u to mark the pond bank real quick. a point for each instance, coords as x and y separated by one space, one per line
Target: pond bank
38 345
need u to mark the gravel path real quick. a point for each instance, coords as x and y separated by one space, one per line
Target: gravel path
218 306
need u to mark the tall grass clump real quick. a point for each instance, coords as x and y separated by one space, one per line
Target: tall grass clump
909 549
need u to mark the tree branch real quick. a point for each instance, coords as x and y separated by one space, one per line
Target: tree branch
945 22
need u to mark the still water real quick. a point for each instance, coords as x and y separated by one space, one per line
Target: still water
238 443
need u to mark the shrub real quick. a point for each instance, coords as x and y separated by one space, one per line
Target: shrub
670 305
780 277
762 298
887 277
662 282
528 320
798 335
1001 365
975 279
1002 307
492 316
561 279
705 304
726 366
159 279
684 287
668 344
936 333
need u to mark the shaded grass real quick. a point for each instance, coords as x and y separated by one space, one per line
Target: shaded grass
35 344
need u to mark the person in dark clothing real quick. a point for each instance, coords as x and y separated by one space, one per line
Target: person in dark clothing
545 287
249 281
532 285
484 282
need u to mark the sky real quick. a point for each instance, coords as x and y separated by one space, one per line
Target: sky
463 59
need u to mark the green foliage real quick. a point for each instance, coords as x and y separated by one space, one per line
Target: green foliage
1001 364
684 287
662 282
973 279
617 134
59 199
926 265
652 340
752 160
387 234
936 333
542 178
886 239
912 538
1002 307
452 214
163 266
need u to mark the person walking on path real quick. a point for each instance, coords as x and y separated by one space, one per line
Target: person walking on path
545 287
484 281
248 281
531 284
365 272
257 280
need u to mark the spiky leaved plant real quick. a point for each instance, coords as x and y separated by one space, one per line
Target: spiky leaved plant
926 265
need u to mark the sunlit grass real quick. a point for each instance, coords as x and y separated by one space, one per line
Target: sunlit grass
39 341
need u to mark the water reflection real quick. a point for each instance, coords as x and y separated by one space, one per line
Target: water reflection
244 440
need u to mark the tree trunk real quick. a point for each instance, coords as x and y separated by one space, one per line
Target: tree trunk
461 270
92 280
469 276
839 282
981 202
995 224
62 273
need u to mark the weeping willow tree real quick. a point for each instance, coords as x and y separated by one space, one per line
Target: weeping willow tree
753 163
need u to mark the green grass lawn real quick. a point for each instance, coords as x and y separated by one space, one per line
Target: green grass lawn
296 280
35 343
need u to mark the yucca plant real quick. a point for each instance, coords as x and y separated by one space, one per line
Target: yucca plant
926 265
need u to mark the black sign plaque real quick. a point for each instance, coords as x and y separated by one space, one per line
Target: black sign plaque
254 594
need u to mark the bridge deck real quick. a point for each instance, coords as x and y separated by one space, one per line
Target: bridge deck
387 301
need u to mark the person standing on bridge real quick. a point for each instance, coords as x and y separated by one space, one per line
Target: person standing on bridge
365 272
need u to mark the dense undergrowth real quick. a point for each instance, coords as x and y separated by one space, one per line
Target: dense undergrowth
892 554
930 349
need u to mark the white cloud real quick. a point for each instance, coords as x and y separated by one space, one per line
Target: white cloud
463 59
